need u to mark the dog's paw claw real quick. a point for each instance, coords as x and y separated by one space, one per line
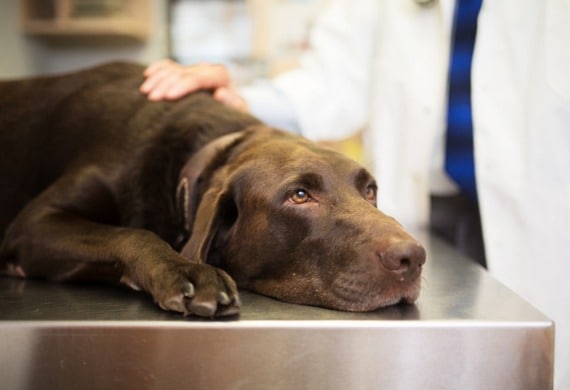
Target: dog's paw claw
224 305
203 309
224 298
199 290
188 290
174 304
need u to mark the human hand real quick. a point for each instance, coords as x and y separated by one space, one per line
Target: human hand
168 80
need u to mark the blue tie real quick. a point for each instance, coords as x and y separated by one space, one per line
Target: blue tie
459 160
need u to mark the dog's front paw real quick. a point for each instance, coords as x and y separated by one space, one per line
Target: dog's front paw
200 290
187 288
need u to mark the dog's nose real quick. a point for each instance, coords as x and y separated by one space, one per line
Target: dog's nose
404 257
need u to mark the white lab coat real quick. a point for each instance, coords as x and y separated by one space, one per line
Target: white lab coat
382 65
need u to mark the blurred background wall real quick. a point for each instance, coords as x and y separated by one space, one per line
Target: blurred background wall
256 37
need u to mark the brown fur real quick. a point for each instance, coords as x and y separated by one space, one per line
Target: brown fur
99 184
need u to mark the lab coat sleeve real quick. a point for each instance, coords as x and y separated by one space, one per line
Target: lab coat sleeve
328 96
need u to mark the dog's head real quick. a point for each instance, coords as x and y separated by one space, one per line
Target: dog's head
292 220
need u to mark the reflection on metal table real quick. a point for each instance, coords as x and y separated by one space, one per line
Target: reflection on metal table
466 331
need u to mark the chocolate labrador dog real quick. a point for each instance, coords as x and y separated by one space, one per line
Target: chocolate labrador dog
187 200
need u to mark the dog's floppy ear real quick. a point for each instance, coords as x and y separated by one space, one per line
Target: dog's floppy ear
209 218
202 216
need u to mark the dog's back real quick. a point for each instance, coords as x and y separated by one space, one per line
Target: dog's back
35 146
97 118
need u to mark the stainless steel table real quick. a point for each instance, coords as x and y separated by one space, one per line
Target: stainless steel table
467 331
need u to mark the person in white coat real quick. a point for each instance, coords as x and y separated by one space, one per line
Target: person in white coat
383 66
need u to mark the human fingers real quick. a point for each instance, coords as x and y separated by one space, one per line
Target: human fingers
157 65
209 76
169 80
155 79
174 82
168 86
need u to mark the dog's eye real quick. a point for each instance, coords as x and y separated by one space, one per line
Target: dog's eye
370 192
300 196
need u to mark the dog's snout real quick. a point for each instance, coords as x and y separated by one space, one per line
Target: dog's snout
404 257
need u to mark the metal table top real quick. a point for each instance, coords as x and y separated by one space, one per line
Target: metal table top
466 331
